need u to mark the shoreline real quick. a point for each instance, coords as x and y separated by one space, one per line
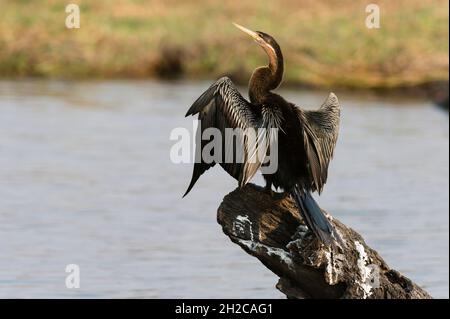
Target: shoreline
324 46
431 90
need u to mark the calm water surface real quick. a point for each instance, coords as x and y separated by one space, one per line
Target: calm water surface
85 178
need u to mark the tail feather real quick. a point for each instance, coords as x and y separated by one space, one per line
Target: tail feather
314 218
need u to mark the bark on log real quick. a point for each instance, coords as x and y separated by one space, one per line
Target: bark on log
272 230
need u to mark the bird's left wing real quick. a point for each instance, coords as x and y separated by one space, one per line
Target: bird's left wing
222 107
320 133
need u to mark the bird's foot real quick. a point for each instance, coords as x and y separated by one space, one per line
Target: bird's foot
275 195
268 190
283 194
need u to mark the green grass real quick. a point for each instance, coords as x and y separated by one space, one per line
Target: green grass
325 43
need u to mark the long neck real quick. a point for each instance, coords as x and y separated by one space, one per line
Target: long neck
266 78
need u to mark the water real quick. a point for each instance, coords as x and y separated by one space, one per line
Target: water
85 178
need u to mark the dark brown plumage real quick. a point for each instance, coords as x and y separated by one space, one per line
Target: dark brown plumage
305 140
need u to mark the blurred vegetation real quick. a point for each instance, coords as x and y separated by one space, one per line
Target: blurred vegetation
325 43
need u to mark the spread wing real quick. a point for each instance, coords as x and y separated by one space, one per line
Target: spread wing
320 133
221 107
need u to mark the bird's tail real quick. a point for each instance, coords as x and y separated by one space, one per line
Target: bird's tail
314 217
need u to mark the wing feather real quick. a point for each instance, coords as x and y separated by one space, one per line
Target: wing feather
221 106
320 133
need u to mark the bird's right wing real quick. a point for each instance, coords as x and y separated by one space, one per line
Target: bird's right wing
222 107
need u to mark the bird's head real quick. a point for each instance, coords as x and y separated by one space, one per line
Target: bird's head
268 77
264 40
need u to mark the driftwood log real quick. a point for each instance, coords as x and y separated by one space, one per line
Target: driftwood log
271 229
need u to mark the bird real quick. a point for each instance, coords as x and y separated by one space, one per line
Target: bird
305 141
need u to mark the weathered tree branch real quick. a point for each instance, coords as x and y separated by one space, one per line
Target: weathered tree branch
272 230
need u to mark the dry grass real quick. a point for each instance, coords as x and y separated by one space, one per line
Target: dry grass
325 43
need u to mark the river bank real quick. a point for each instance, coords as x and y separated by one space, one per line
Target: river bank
325 44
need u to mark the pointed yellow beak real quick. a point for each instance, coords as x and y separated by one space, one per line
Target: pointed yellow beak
253 34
